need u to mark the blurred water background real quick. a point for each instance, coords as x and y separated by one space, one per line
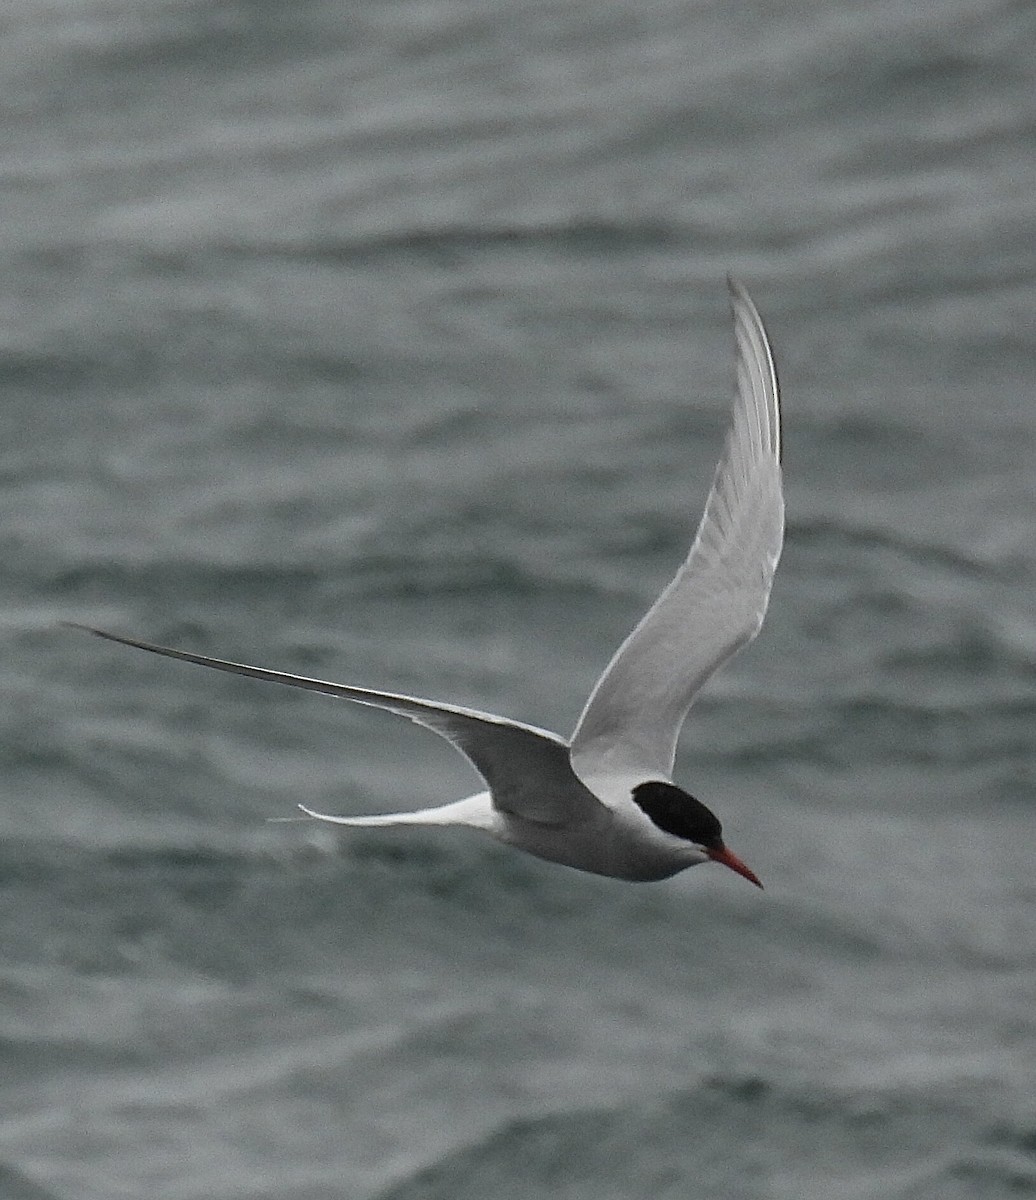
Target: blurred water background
389 342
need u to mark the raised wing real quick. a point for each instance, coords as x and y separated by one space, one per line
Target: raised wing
527 770
716 602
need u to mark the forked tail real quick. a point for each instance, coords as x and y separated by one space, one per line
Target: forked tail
476 812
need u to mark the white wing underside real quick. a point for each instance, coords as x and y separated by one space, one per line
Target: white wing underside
526 769
716 602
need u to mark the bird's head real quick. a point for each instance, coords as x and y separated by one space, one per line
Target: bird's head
678 813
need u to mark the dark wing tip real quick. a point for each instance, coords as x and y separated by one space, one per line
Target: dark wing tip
108 637
736 287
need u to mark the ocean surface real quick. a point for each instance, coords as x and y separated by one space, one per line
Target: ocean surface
389 342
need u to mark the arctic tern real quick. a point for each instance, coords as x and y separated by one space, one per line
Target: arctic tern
605 801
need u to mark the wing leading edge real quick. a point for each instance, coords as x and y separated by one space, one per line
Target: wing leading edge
526 769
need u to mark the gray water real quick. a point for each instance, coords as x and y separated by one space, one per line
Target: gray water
389 343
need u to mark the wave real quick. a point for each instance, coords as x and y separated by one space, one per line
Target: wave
17 1185
847 532
728 1136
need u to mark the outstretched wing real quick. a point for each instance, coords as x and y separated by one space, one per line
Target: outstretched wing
716 602
527 770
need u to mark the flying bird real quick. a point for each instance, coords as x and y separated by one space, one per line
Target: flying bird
605 801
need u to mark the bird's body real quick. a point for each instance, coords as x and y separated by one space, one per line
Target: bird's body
620 841
605 802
